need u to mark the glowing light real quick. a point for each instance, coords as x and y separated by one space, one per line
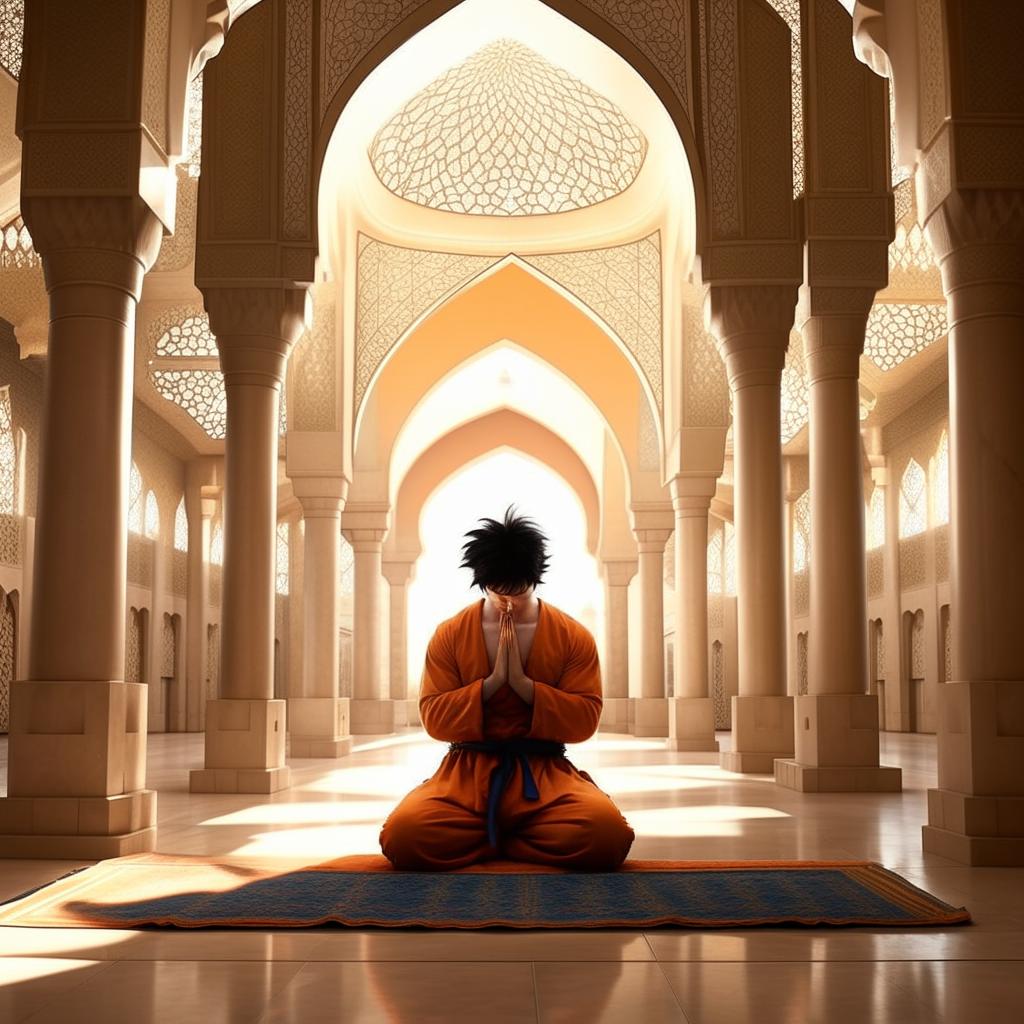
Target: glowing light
913 500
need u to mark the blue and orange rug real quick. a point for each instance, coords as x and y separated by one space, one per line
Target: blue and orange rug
362 890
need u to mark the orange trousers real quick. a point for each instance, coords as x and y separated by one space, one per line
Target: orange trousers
442 823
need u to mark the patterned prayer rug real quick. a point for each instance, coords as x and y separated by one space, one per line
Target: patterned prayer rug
197 892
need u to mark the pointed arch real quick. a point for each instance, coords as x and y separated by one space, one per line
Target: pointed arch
475 440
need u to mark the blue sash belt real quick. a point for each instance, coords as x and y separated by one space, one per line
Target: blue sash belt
509 750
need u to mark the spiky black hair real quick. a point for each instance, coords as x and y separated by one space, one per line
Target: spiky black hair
506 556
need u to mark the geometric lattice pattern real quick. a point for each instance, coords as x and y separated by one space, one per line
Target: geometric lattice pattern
802 532
913 500
940 483
620 284
281 556
506 133
8 632
200 393
917 670
195 127
910 250
135 500
347 566
12 25
185 333
8 456
715 552
789 11
897 331
133 647
16 249
876 520
152 520
729 560
794 409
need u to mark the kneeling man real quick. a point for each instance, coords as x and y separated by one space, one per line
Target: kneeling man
507 682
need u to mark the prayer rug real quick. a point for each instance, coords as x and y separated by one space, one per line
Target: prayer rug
362 890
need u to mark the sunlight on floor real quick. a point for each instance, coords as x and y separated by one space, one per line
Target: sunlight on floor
710 820
324 812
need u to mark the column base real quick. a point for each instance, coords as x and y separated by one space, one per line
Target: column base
977 830
318 727
239 780
762 731
78 828
615 715
650 716
691 724
245 741
407 712
836 747
372 716
809 778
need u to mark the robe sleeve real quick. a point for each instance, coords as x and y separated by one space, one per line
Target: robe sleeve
568 709
449 710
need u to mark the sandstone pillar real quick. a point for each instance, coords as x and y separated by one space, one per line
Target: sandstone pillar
976 814
836 741
751 325
398 573
364 527
691 721
615 671
318 720
77 753
245 727
652 527
199 511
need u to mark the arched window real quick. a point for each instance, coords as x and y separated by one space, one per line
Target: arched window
181 527
875 532
802 532
152 515
282 558
715 563
217 546
940 483
8 456
913 500
729 560
135 502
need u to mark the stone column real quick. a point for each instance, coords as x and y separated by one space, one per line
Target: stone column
296 610
245 728
615 672
77 753
364 527
318 720
398 574
691 715
199 511
976 815
156 697
751 325
836 742
652 527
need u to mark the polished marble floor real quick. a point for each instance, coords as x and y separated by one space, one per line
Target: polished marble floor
681 806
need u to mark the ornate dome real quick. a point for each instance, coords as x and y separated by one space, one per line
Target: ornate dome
506 133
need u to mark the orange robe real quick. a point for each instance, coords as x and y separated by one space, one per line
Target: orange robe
441 824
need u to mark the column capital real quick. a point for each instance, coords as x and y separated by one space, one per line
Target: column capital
396 572
691 495
255 329
320 495
617 572
751 324
978 238
323 506
365 524
833 322
93 240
